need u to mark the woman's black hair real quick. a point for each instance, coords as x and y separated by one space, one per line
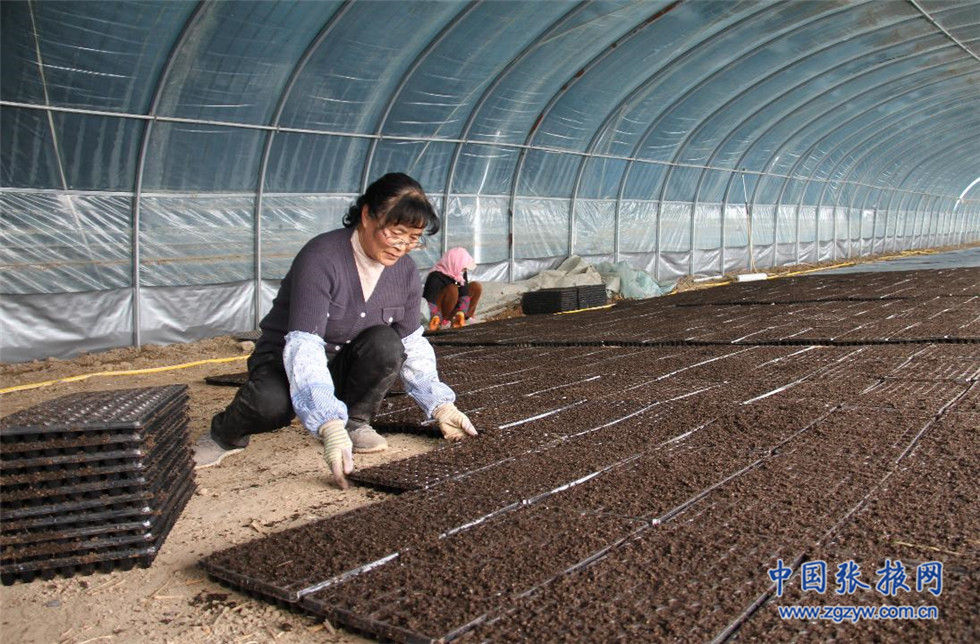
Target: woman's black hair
395 199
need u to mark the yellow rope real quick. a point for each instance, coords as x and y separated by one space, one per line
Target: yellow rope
130 372
814 270
591 308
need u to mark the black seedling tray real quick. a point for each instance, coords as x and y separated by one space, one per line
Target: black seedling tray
94 411
549 300
41 479
119 558
93 516
129 495
47 456
93 439
366 624
228 380
153 479
34 555
65 458
592 295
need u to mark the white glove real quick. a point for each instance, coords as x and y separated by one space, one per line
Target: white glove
337 450
453 423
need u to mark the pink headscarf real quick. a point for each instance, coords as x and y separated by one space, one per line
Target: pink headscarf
454 262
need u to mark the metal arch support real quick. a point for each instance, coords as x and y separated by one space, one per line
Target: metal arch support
926 217
928 203
816 144
185 31
961 196
765 106
532 132
270 136
904 223
778 97
891 137
945 181
778 152
863 142
930 219
874 221
974 219
683 145
419 59
879 121
792 172
648 132
868 151
487 93
824 114
936 215
884 122
901 147
937 212
898 190
945 32
969 143
666 68
851 206
680 100
55 141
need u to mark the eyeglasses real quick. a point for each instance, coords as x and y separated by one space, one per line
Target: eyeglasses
402 242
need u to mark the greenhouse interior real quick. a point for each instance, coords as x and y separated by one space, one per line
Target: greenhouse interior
714 377
163 161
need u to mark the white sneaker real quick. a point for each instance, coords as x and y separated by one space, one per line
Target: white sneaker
207 453
366 440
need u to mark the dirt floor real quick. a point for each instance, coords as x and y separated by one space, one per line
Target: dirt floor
279 482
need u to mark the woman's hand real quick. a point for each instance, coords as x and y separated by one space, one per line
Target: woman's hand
337 450
453 423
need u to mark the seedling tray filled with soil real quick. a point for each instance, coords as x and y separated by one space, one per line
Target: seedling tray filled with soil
295 562
37 489
640 469
452 584
712 552
912 517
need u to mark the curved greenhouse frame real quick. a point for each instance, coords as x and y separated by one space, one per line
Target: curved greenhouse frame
162 161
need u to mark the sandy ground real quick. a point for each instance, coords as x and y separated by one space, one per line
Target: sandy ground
279 482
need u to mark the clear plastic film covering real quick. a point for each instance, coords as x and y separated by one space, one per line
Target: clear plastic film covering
162 162
196 240
54 242
592 233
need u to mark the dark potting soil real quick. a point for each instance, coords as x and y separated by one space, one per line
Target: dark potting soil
453 582
926 512
642 493
695 572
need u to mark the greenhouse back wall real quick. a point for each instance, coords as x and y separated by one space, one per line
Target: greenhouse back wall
163 161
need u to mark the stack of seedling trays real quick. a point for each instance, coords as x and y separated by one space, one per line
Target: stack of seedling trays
92 481
562 299
591 295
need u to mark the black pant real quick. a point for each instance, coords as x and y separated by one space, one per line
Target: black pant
362 372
